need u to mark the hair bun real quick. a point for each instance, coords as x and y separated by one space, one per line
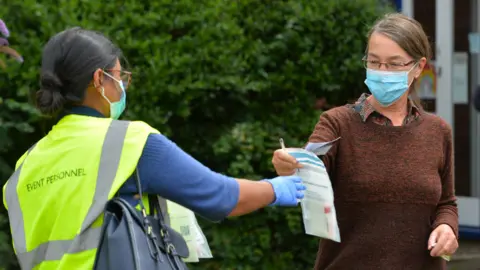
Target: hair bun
51 82
49 98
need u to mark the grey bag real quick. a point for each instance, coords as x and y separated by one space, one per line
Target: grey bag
131 239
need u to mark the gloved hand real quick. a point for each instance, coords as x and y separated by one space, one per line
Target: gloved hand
287 190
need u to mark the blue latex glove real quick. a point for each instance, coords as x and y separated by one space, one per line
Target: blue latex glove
288 189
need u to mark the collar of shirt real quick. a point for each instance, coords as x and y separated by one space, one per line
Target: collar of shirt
81 110
366 110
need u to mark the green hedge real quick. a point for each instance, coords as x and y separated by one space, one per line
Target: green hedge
223 79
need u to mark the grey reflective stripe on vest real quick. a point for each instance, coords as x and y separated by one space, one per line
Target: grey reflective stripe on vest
16 221
88 238
54 250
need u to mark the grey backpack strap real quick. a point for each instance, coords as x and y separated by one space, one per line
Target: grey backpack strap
162 203
164 208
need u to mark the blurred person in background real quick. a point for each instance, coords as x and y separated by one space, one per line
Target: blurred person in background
392 170
56 196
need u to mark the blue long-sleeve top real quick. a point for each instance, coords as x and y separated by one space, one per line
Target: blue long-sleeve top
166 170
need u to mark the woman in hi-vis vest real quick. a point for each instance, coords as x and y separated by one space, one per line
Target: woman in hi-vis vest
79 165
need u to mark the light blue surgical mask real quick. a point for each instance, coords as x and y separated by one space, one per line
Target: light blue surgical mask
117 107
387 86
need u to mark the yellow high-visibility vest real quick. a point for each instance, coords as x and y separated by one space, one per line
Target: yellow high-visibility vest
56 196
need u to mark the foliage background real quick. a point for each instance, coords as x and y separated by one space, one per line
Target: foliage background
223 79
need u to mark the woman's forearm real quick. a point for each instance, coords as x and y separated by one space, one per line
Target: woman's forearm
168 171
253 195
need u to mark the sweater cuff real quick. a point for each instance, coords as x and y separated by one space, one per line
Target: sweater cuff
447 218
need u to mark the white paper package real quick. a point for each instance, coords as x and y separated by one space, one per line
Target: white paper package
184 221
318 209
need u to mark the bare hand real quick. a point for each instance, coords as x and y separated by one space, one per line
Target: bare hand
442 241
284 163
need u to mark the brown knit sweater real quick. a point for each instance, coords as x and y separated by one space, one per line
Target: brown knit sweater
392 185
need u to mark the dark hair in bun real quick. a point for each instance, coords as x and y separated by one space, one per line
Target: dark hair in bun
49 98
68 62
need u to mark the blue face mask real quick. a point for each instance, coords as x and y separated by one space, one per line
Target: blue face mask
117 108
387 86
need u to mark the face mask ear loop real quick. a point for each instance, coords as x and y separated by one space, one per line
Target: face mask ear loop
410 83
103 95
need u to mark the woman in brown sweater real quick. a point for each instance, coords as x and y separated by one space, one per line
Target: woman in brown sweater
392 171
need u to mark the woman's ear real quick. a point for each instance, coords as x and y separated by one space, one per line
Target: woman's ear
98 78
420 66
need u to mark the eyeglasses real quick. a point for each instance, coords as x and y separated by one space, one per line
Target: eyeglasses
125 76
394 65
